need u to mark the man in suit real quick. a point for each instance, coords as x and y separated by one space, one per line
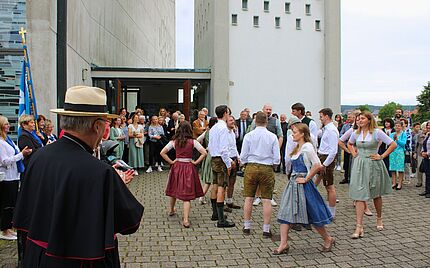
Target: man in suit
172 125
242 124
284 127
200 125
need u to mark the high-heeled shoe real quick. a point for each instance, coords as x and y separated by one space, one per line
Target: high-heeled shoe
328 249
380 226
358 234
284 251
186 224
394 186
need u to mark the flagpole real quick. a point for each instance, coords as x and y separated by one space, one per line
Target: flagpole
29 79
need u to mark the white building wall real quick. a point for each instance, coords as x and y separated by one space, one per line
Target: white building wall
273 65
106 33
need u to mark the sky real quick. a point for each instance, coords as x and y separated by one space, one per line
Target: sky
385 48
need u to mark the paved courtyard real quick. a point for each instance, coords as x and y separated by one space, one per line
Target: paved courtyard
162 241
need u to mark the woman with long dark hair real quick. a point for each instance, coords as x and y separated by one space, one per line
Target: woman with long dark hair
184 182
388 128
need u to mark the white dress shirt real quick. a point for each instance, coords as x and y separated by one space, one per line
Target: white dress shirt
313 128
329 143
232 149
218 142
260 146
8 159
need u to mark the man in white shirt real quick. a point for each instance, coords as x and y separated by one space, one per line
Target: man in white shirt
260 153
234 155
222 165
327 152
298 109
273 125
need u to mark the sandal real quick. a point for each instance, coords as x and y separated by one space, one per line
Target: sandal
379 227
284 251
172 213
358 234
186 224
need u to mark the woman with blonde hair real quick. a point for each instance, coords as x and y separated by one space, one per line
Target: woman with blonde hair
11 166
397 157
369 176
135 133
301 203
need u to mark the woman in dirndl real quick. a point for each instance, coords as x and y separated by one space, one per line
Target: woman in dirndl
206 173
369 176
301 202
184 182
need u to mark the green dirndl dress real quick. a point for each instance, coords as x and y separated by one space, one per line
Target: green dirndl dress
206 173
369 178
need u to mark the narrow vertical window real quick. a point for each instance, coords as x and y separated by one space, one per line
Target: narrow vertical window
287 7
277 22
266 6
256 21
234 19
308 9
298 24
317 25
245 4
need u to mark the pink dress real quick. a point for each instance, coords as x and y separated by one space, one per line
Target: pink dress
184 182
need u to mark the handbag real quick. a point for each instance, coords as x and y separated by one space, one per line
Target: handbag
138 142
422 167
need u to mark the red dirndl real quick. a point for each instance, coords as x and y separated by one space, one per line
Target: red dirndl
184 182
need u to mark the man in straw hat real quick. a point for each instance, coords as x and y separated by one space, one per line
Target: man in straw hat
71 204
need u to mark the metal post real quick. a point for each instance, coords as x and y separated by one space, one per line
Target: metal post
61 51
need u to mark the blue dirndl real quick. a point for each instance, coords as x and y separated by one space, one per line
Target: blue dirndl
302 203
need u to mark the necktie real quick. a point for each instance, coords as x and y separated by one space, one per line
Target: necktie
242 132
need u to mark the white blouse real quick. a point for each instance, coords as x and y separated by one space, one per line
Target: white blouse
345 137
310 156
380 136
8 159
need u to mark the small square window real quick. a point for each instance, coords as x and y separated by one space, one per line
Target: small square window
287 7
245 4
298 24
277 22
317 25
233 19
256 21
266 6
308 9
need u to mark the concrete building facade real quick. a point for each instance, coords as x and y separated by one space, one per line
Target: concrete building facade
270 51
102 33
108 33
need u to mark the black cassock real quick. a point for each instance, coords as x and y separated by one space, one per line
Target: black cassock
72 205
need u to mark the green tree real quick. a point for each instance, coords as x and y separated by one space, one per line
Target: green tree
423 104
388 110
364 107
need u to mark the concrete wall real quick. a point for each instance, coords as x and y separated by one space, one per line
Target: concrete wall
332 56
211 46
277 65
116 33
254 65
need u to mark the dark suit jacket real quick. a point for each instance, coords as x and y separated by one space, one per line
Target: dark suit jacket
26 139
239 131
170 126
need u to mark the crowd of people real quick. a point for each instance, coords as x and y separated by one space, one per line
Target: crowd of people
42 189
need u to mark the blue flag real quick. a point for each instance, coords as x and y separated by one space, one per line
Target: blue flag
24 101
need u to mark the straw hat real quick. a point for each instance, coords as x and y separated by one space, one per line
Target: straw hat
84 101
